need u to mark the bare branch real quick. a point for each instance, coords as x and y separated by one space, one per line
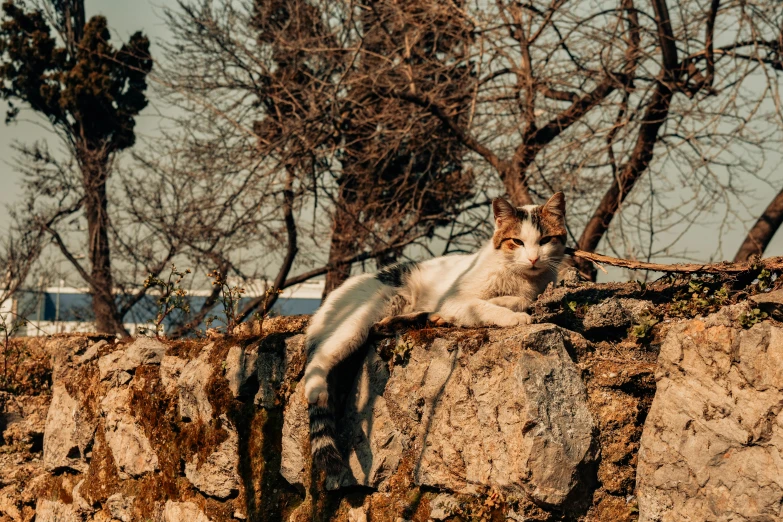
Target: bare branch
762 232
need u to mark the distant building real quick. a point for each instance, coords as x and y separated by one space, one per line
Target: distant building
66 309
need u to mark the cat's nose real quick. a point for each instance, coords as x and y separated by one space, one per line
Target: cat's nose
533 260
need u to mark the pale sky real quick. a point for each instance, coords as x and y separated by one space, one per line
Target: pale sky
126 17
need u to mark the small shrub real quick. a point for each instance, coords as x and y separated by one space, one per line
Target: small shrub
700 299
172 296
13 353
579 309
230 297
481 509
764 280
401 351
755 316
644 327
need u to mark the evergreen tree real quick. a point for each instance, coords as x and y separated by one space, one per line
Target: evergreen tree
64 67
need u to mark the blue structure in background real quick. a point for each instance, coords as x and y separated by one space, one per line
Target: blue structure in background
73 306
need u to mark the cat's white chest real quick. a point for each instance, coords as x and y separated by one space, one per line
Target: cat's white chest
505 284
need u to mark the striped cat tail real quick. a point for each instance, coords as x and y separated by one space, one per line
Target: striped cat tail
323 445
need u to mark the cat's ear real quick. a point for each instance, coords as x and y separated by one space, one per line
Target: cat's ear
503 210
555 205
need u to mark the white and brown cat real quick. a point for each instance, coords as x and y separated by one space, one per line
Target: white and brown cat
493 286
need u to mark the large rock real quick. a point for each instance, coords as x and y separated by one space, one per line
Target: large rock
23 419
217 476
192 384
614 314
142 351
295 445
120 507
375 444
68 432
170 370
519 394
240 366
183 512
80 504
92 351
146 350
278 368
114 363
54 511
712 447
8 504
501 409
131 449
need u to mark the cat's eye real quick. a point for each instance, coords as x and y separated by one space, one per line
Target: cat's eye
518 242
545 240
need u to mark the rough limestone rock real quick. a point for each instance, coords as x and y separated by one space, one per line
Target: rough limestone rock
375 442
92 351
170 370
7 503
114 363
519 394
464 404
276 368
240 366
145 350
358 514
614 313
23 419
295 443
54 511
217 476
443 506
771 302
80 504
712 447
67 434
131 449
120 507
192 384
183 512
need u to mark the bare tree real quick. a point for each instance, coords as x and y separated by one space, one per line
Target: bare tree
375 113
589 98
280 92
384 128
399 163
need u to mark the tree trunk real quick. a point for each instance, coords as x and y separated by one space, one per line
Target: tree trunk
343 245
761 234
104 305
514 179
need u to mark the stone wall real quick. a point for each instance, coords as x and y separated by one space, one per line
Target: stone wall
528 423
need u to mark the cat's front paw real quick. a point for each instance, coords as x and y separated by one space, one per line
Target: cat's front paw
513 319
515 304
438 320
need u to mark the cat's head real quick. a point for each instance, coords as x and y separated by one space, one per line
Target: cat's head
532 237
